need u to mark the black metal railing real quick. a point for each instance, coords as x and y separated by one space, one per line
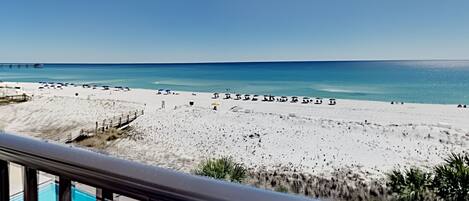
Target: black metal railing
111 175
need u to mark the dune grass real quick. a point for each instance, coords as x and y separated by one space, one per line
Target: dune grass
101 140
448 181
223 168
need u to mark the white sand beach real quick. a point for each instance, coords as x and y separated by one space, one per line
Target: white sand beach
367 137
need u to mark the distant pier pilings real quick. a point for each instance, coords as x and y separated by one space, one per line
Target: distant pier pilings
21 65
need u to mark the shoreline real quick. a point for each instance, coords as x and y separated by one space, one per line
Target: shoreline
233 93
99 84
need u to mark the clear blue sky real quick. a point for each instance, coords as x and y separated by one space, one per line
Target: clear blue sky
232 30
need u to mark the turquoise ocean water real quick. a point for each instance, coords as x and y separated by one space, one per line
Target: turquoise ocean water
409 81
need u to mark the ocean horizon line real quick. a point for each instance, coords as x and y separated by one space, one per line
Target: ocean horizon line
237 62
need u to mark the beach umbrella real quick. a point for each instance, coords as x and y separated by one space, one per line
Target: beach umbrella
215 105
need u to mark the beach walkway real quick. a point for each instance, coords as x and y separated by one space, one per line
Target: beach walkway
14 99
117 122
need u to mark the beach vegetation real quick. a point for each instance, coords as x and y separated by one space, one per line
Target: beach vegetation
448 181
223 168
451 180
411 184
281 189
102 139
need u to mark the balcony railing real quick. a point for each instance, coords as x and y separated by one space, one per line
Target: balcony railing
112 176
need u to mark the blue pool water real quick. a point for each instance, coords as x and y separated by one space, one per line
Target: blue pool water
410 81
48 193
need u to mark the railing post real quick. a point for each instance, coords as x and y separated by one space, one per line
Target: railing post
4 181
65 189
103 195
30 184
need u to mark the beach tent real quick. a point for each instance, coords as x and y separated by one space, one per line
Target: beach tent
332 101
318 101
283 99
294 99
271 98
254 98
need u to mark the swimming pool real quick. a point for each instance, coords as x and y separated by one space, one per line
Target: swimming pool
48 193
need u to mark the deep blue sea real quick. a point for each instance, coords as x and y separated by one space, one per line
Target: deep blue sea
409 81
